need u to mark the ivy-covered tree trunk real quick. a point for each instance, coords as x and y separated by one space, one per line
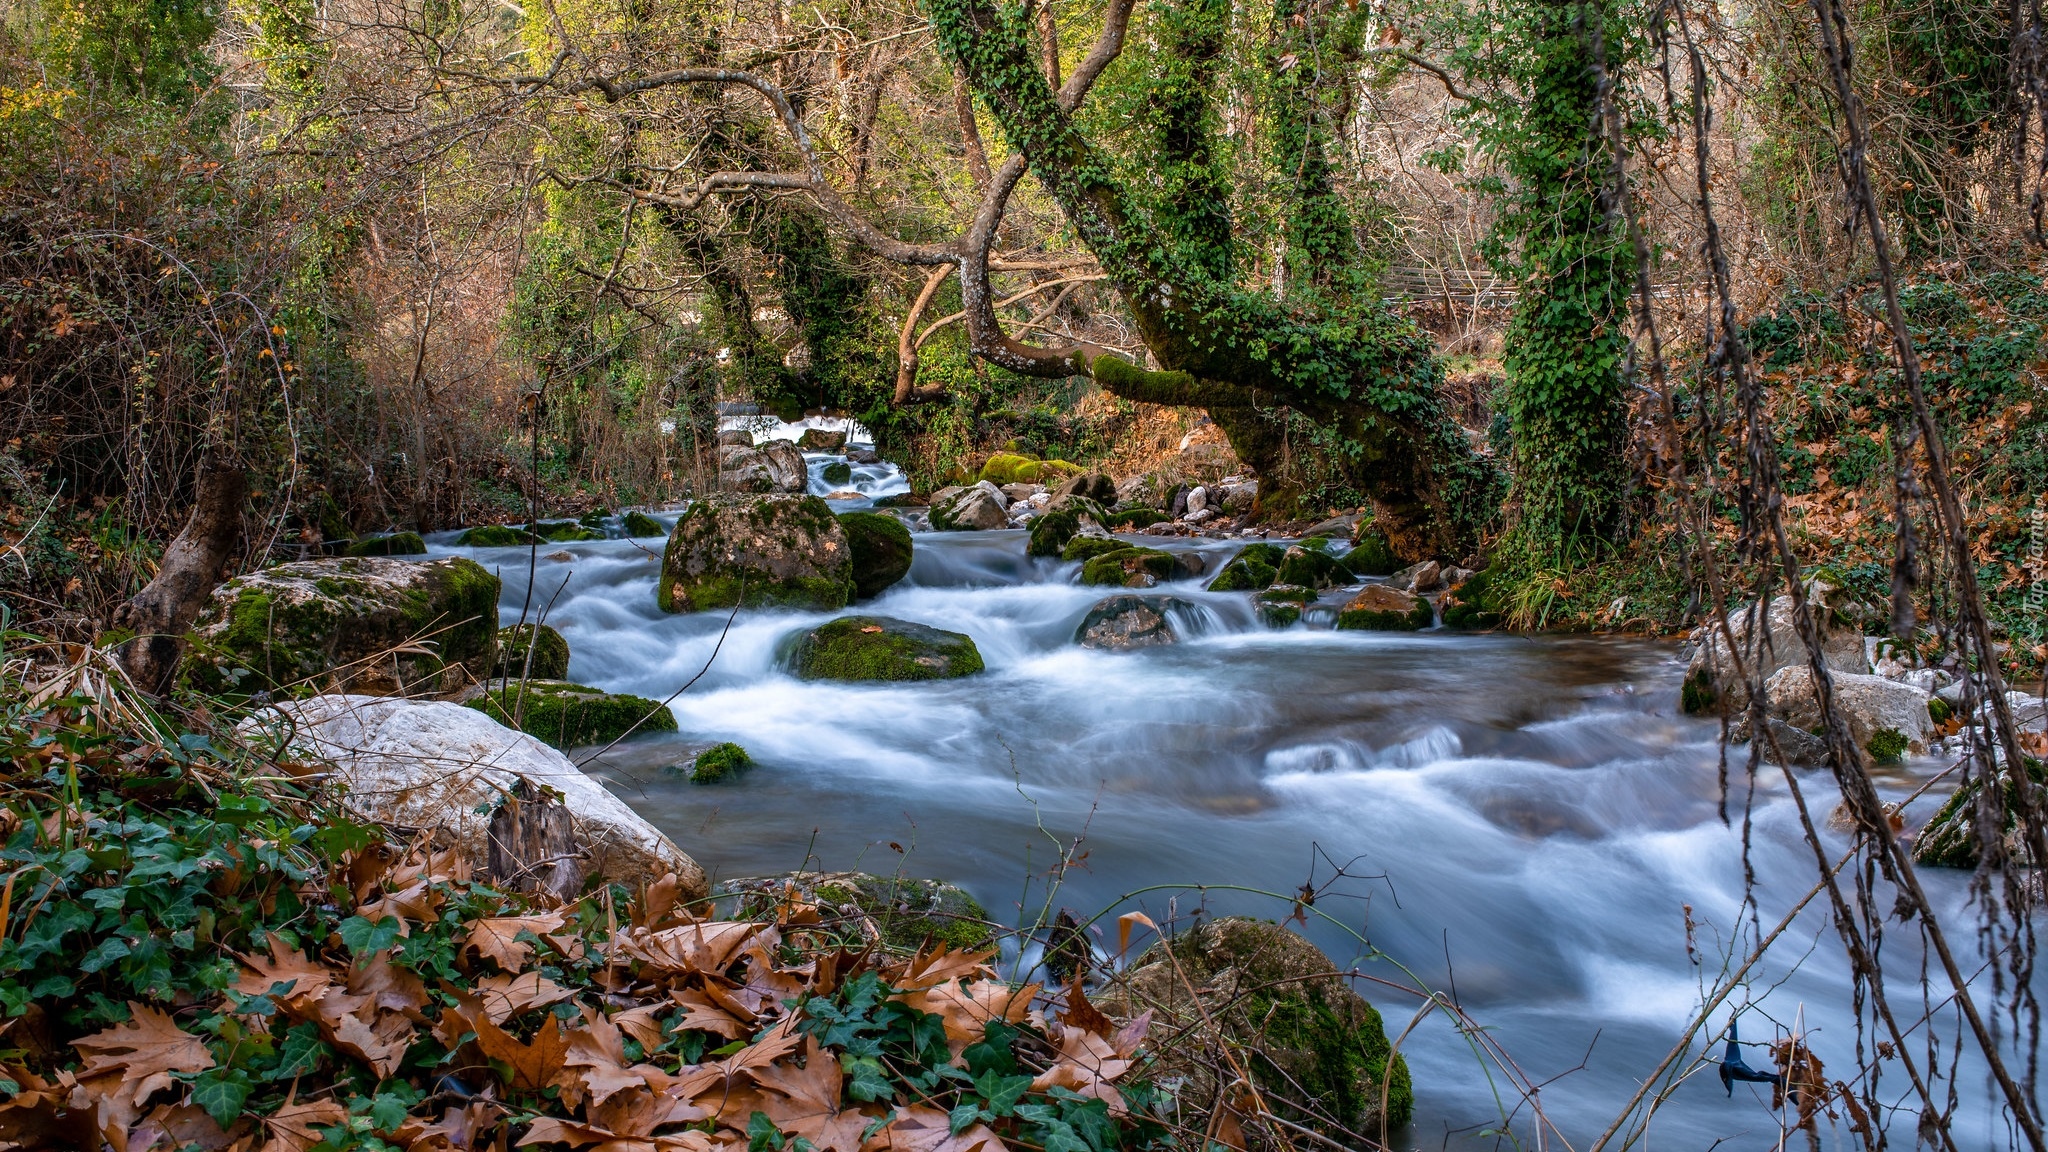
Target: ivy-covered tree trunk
1566 343
1366 375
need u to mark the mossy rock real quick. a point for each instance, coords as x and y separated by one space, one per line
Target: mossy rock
1085 548
367 624
567 715
1310 1042
837 472
564 531
764 551
1938 710
1311 567
1286 594
881 551
1279 614
1697 694
1382 609
1128 567
1131 519
394 544
1372 556
550 653
1052 529
719 763
1949 839
495 536
1474 603
1014 468
1254 567
1887 746
906 914
639 524
871 648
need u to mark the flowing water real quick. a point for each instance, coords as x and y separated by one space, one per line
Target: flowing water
1527 821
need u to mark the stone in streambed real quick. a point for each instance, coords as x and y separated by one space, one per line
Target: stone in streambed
550 653
1089 485
719 763
1255 566
1768 639
819 440
1064 518
564 532
1885 717
759 552
395 544
1311 567
838 472
1129 568
363 623
495 536
1372 556
881 551
977 508
565 715
1121 623
1379 608
871 648
638 524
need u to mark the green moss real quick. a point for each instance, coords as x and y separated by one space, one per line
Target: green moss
1938 710
1051 531
1698 694
396 544
564 531
1311 567
1366 620
882 551
1002 468
550 656
837 472
871 648
757 552
1286 594
1373 556
719 763
570 715
640 524
1279 615
1133 518
1089 547
1473 604
495 536
1128 568
1887 746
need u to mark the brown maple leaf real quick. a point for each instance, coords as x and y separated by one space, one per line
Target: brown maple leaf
507 996
534 1065
128 1063
296 1127
496 938
967 1009
918 1128
285 976
703 949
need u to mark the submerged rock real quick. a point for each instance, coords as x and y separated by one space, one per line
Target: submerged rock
395 544
881 551
976 508
758 551
1379 608
443 769
898 912
1768 640
640 524
838 472
365 624
859 648
1311 567
1121 623
1247 985
1253 568
550 653
719 763
566 715
564 531
1427 576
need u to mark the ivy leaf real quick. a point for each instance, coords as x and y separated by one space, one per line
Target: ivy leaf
221 1092
365 938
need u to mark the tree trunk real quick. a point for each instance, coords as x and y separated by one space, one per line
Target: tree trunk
159 614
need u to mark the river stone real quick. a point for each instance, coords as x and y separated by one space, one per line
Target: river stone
1139 492
1238 498
1016 492
1373 555
1872 705
837 472
858 648
819 440
898 912
1472 602
1128 568
550 654
1197 501
744 470
1064 518
566 715
1254 567
433 765
1427 576
1711 681
637 524
1378 608
1250 986
1950 840
980 507
881 551
367 624
1089 486
495 536
735 438
786 466
1121 623
395 544
758 551
1311 567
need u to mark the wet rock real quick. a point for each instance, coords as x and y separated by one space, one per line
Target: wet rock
1188 565
1121 623
735 438
971 509
1337 527
395 544
1424 577
1472 603
786 466
1199 516
366 624
1133 519
1087 544
550 653
744 470
881 551
1312 567
1372 556
566 715
760 551
1016 492
495 536
639 524
1873 706
1769 640
1255 567
860 648
442 768
897 912
1197 501
719 763
1246 985
1379 608
1950 839
564 531
819 440
838 472
1129 568
863 456
1091 486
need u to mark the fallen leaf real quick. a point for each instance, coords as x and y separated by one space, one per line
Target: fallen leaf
295 1127
918 1128
496 938
507 996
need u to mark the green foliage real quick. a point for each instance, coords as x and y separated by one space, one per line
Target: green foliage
151 49
1887 746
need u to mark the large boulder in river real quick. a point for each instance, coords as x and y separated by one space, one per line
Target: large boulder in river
977 507
1062 520
367 624
1768 639
787 466
446 770
1950 839
1378 608
1885 717
881 551
567 715
1309 566
774 466
819 440
1316 1050
1121 623
1256 567
757 551
1130 567
860 648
